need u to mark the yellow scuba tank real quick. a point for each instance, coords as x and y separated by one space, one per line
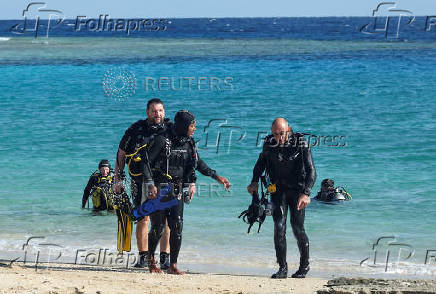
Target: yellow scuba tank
96 199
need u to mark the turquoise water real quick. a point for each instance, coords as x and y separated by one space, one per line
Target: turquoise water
56 124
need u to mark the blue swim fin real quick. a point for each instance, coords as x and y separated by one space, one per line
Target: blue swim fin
162 202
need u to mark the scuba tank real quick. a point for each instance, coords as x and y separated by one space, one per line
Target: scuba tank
337 196
330 193
101 193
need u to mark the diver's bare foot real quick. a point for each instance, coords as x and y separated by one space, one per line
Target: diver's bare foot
173 270
152 266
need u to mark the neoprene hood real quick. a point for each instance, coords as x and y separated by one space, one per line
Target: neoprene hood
182 121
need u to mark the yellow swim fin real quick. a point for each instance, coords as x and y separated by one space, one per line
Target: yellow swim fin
124 234
128 235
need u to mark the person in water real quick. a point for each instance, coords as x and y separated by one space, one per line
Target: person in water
100 187
330 193
174 159
287 160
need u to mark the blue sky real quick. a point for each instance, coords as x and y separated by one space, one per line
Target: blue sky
12 9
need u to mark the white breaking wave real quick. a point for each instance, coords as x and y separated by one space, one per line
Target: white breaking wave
4 39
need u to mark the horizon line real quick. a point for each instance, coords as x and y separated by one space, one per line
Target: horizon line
225 17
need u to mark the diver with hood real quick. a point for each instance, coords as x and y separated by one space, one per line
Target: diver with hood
100 187
173 160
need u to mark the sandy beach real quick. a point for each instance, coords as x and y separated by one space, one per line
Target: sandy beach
65 278
88 279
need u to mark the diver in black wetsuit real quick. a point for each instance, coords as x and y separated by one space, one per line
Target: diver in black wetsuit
177 157
99 187
287 159
138 134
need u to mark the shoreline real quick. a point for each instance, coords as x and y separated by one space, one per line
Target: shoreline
67 278
43 258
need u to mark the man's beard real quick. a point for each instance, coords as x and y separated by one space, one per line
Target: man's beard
157 121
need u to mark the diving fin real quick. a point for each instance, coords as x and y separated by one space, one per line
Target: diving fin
124 234
128 236
254 213
120 244
163 201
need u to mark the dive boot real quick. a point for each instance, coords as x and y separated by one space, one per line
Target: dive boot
164 261
173 270
301 273
152 266
304 261
142 261
282 272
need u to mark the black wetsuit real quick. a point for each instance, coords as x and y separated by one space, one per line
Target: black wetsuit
101 186
182 163
137 135
291 168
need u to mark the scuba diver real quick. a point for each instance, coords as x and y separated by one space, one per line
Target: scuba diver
135 139
100 187
104 198
330 194
173 161
287 161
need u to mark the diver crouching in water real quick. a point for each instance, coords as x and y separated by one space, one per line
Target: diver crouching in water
330 194
173 159
287 160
